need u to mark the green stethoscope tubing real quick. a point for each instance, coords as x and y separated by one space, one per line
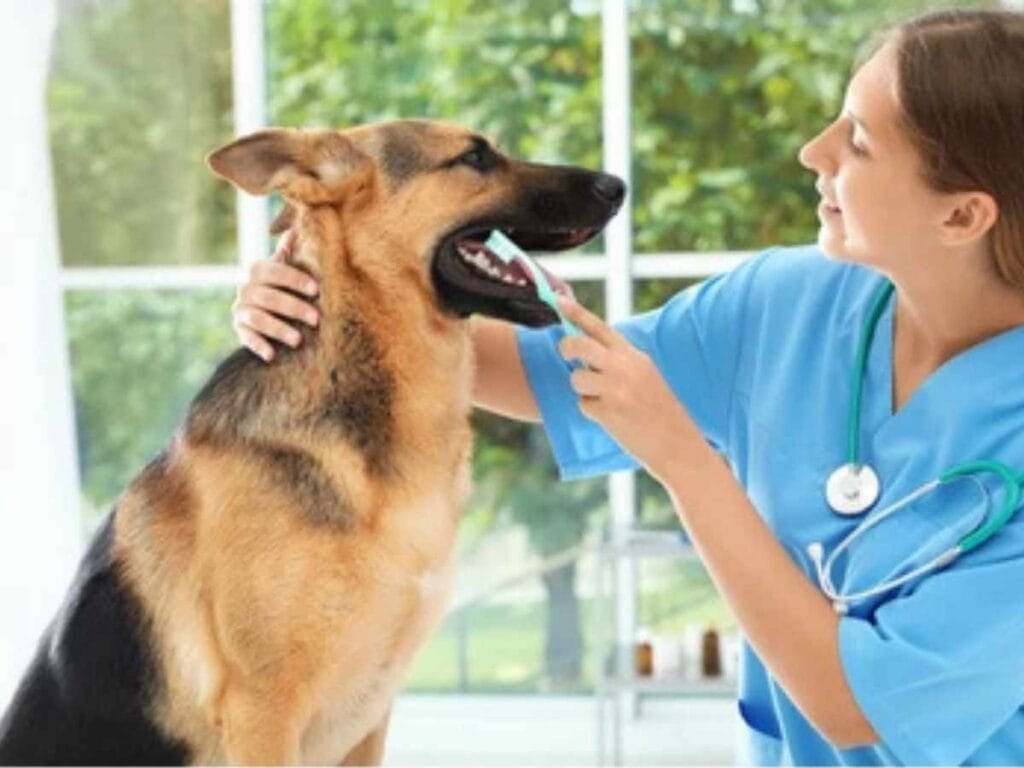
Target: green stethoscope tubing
1011 481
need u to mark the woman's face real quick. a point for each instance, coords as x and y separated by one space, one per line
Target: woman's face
876 208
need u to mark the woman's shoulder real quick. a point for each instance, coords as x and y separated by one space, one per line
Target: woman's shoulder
802 278
805 265
776 290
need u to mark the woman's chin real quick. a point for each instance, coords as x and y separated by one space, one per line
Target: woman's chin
837 248
832 244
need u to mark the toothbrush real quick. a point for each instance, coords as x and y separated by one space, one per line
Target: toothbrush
508 251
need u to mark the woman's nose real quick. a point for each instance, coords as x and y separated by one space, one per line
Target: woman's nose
809 154
814 155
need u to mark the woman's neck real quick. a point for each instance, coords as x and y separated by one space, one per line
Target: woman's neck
940 313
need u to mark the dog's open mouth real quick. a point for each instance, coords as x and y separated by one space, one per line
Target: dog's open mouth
472 278
477 255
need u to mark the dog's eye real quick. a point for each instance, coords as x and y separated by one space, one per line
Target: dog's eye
479 158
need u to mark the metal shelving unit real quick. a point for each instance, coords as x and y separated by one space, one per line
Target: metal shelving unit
619 687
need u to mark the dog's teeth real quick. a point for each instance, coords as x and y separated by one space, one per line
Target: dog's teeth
486 265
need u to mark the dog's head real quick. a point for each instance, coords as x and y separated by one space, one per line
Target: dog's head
416 199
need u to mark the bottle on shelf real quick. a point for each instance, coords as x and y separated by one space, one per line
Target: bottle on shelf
643 653
711 654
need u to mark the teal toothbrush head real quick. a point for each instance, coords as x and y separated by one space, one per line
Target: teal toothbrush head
508 251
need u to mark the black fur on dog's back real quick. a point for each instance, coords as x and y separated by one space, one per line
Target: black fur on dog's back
83 700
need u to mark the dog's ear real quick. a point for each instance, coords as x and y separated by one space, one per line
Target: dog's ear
309 166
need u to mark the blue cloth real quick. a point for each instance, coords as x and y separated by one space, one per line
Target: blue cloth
762 358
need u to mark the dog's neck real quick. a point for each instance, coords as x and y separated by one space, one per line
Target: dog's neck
391 325
398 304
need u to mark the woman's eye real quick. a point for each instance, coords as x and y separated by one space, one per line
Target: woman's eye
858 149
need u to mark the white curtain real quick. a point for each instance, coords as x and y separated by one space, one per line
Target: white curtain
39 522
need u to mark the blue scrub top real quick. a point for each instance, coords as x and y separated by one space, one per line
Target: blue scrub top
762 358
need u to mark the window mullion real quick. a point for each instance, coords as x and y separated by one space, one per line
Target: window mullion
249 88
616 112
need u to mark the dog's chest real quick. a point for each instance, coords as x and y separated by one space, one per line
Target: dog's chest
352 712
360 695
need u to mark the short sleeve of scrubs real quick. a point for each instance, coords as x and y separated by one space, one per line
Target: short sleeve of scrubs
939 670
694 339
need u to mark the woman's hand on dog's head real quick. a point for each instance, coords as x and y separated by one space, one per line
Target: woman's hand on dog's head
261 308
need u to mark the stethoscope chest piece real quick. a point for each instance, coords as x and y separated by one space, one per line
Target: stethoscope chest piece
852 489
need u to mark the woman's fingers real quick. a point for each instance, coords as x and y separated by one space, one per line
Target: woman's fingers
284 246
275 273
588 322
585 349
267 301
266 325
255 342
279 302
586 383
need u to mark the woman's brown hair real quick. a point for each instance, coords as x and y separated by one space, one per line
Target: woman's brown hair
961 93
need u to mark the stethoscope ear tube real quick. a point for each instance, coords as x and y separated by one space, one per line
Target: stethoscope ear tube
1011 485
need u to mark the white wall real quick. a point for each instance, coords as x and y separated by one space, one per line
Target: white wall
39 522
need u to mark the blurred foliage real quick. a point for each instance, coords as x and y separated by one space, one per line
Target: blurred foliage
724 92
140 91
525 71
137 359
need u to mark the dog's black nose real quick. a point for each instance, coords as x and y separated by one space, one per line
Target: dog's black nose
610 188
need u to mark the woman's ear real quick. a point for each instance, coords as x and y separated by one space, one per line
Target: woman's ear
969 218
310 166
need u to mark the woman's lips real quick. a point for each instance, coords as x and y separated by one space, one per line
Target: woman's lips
827 209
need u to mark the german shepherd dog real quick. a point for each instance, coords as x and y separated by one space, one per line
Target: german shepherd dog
260 588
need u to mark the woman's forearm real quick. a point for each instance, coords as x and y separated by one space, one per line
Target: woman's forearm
790 624
499 383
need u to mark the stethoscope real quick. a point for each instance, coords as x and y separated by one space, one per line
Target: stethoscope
854 487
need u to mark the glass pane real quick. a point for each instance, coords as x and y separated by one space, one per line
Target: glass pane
526 72
139 92
137 359
724 95
529 628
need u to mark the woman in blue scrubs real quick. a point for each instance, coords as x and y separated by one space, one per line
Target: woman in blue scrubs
734 396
